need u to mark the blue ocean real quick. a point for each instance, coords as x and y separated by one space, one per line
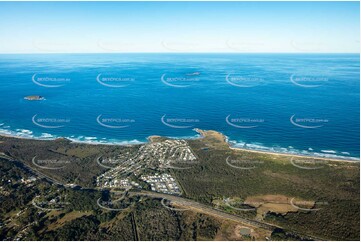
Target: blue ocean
290 103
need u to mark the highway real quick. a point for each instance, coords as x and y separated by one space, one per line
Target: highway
202 208
182 202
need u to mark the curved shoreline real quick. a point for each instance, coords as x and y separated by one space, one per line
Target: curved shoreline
309 156
346 159
74 140
201 135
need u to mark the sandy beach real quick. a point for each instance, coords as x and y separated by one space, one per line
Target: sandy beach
203 133
293 155
222 137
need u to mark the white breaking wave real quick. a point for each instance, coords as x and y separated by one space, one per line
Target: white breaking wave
329 151
90 138
103 141
24 131
291 150
28 134
21 133
46 136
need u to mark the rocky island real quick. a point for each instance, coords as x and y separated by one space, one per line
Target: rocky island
34 98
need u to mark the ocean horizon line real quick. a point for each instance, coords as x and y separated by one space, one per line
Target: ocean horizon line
180 53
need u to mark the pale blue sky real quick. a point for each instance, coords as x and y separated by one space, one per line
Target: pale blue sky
65 27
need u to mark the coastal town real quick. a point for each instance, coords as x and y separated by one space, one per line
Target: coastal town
163 183
127 169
